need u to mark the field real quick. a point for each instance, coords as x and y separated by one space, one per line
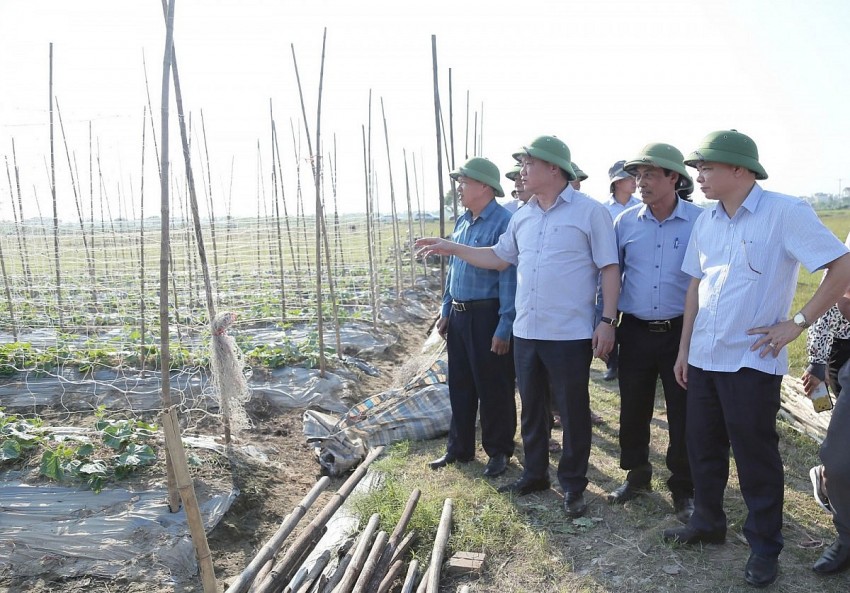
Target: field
529 545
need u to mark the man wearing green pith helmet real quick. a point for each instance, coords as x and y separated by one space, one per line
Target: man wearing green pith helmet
476 320
743 258
559 241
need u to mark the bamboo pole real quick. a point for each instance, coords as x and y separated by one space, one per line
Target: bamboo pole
410 579
451 155
316 159
423 584
282 569
442 538
371 563
187 490
439 154
18 230
387 555
142 321
421 212
304 578
337 573
275 181
409 223
390 576
58 271
271 547
211 208
8 290
349 577
165 250
373 296
396 242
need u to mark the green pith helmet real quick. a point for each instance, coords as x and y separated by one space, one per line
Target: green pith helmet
580 175
480 169
552 150
730 147
667 157
514 172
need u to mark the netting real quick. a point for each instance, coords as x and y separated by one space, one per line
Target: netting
80 308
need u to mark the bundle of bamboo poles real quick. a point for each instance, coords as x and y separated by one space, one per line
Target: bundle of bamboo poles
371 563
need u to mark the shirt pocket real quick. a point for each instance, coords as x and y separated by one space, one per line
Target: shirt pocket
564 238
752 258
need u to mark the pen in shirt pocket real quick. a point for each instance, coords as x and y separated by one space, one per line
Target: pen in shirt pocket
676 243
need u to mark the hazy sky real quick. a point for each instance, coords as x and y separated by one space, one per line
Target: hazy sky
607 76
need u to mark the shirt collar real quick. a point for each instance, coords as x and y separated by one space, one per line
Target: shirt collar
565 196
486 212
678 212
750 203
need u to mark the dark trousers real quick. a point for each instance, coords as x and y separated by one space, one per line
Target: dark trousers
835 455
645 356
477 375
562 367
738 408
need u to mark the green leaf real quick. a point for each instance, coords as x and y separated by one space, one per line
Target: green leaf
51 465
133 457
85 450
93 468
11 449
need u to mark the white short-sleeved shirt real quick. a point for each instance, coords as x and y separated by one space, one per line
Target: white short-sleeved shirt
558 254
747 266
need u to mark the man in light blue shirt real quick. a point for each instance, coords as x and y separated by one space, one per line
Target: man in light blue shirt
652 239
559 241
744 255
622 188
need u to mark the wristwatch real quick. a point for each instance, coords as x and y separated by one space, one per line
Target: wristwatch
609 321
800 320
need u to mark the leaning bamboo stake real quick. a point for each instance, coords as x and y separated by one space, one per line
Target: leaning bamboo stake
282 268
271 547
371 563
423 584
348 578
451 155
210 207
9 302
164 253
373 295
390 577
409 223
285 565
387 556
402 547
304 578
59 314
440 542
439 154
396 242
337 573
410 579
261 575
142 322
421 212
19 221
187 492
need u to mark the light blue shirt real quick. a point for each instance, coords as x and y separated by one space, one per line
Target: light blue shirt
747 266
651 254
558 253
615 208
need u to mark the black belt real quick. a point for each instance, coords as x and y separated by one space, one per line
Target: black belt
462 306
656 325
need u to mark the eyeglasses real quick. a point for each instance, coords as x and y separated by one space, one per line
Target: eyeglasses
747 256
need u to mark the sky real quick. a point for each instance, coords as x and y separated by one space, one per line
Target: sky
606 76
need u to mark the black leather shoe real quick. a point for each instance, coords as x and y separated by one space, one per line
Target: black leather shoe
690 536
574 505
525 486
497 465
447 459
836 558
628 491
683 506
610 374
761 571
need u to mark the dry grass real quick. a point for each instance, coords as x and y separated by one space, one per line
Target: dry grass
531 547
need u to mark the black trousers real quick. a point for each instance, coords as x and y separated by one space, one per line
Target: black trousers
564 368
646 355
835 455
737 408
477 375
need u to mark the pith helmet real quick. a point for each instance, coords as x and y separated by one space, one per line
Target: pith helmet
667 157
514 172
615 173
580 175
552 150
730 147
480 169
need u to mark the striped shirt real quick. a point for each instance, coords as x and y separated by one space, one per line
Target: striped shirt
651 255
747 266
558 253
465 282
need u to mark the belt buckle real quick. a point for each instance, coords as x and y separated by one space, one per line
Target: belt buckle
461 307
660 326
